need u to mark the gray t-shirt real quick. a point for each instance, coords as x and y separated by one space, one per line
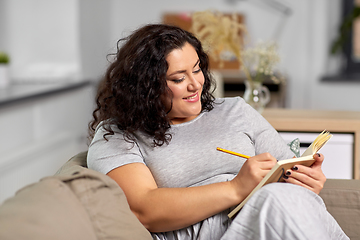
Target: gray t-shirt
191 158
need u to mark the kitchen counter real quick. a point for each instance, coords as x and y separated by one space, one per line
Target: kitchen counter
26 91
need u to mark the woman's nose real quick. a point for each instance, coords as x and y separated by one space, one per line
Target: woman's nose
194 84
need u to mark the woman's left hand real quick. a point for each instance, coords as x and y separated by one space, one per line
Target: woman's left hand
309 177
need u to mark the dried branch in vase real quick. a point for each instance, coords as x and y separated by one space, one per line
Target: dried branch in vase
220 34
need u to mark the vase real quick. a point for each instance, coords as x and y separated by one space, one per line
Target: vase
256 95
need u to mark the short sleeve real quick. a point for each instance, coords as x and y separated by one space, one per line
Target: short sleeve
106 155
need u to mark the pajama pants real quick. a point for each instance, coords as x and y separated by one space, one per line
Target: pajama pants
276 211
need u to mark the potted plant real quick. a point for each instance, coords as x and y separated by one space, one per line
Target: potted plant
4 69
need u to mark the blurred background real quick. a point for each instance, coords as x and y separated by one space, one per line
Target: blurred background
57 54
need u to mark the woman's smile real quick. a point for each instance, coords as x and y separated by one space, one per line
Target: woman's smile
193 98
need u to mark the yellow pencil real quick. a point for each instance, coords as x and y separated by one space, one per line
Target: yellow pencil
233 153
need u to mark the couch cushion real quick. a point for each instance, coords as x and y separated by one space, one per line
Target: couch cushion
76 203
45 210
342 199
105 204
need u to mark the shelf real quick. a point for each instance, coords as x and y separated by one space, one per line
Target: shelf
232 82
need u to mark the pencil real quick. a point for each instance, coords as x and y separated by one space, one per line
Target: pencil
233 153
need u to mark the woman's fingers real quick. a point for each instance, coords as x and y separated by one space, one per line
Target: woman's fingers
319 159
261 164
310 177
253 171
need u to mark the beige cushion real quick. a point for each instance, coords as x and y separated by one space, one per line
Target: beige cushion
77 203
342 199
45 210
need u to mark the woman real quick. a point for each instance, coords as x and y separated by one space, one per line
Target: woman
156 128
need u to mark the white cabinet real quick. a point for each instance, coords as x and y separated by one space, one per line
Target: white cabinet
338 152
41 132
342 152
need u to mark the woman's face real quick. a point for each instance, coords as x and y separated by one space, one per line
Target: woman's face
185 80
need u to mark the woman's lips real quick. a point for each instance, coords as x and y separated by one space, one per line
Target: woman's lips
192 98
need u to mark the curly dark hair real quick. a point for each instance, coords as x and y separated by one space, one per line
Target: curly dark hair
129 95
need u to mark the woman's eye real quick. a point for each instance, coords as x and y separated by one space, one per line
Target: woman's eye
179 80
197 71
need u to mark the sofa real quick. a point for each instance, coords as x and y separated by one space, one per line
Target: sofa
79 203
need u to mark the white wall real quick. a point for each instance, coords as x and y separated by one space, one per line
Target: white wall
327 95
126 16
41 32
95 31
2 25
82 32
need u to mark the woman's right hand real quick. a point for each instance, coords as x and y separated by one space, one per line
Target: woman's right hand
252 172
